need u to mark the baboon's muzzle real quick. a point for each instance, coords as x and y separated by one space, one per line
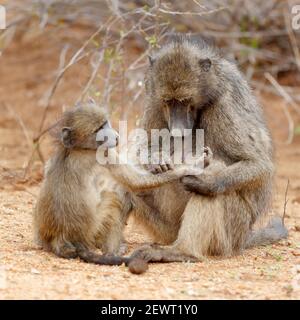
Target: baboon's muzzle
107 137
181 122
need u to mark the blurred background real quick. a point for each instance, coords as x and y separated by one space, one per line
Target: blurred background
56 53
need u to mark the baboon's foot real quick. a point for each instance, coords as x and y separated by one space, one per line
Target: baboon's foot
156 253
111 248
67 251
123 249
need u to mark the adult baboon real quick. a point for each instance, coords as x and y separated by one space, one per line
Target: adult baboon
190 85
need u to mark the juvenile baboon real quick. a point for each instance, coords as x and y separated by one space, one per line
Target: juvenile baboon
67 217
190 85
71 216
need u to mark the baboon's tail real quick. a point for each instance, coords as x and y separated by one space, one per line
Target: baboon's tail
136 266
273 232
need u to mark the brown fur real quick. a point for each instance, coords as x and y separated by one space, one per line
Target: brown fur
70 209
72 216
189 85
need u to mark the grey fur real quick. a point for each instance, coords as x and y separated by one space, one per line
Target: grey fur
212 214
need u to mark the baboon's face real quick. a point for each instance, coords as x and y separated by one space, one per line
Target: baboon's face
81 128
177 79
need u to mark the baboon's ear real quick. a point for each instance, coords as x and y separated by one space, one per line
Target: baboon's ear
66 137
205 64
151 60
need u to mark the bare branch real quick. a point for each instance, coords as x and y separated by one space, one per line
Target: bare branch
191 13
285 108
19 120
285 201
282 92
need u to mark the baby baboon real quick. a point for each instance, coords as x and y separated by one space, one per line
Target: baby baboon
67 218
71 217
189 85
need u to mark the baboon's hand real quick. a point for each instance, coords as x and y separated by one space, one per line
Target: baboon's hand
159 168
202 161
197 166
187 170
208 155
203 185
164 165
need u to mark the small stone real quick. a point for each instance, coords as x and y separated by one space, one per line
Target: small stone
35 271
138 266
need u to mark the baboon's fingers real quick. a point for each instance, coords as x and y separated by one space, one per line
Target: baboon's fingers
164 167
208 155
158 169
153 168
208 152
170 166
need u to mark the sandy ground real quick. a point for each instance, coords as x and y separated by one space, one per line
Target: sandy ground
270 272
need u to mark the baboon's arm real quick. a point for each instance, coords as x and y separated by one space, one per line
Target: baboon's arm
233 177
139 180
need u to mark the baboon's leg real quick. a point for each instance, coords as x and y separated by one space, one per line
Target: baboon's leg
110 238
156 224
210 226
114 209
203 231
113 240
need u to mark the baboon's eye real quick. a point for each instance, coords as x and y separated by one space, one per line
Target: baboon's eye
192 108
169 102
